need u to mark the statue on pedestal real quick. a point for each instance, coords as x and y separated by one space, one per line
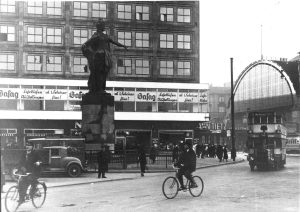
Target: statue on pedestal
97 51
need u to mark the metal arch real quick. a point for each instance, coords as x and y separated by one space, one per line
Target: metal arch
265 62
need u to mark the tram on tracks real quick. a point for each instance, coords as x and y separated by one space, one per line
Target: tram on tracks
266 140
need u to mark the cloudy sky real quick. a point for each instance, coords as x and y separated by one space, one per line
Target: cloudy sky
232 28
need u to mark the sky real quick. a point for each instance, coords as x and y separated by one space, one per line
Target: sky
242 29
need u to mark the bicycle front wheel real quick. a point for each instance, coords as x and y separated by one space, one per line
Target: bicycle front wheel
197 189
39 196
170 187
11 199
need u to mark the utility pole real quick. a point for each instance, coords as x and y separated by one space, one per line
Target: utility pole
233 150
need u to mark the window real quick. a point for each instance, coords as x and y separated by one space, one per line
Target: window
183 41
8 33
7 62
166 14
166 68
142 13
184 68
79 64
35 34
184 15
80 36
54 35
142 67
124 11
54 63
221 109
124 38
124 66
142 39
54 8
221 99
7 6
80 9
35 7
99 10
34 63
166 41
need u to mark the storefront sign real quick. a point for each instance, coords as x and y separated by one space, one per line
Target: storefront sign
211 126
188 97
54 94
32 94
167 97
124 96
8 93
203 97
76 95
145 96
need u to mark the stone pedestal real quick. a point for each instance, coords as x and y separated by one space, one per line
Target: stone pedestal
98 118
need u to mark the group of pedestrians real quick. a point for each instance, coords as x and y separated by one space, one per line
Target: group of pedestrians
212 151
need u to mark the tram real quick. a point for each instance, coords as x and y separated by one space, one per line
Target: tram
266 140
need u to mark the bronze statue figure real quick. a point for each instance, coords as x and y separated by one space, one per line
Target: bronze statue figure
97 51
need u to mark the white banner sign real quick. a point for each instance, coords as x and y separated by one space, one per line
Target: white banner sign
188 97
145 96
167 97
124 96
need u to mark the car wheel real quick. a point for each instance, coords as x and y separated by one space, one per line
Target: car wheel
74 170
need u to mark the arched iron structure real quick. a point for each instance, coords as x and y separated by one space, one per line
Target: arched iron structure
253 88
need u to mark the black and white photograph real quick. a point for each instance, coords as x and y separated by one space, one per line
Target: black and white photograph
155 106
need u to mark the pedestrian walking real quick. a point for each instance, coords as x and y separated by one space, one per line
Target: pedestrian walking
225 153
219 152
175 153
153 154
198 150
142 160
233 154
103 157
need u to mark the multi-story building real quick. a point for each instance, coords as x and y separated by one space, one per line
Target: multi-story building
158 97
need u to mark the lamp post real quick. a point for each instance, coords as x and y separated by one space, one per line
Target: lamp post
233 150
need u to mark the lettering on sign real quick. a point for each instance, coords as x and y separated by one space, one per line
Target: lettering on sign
124 96
32 94
53 94
188 97
203 97
6 93
146 96
167 97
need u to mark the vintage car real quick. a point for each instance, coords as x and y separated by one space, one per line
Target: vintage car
61 159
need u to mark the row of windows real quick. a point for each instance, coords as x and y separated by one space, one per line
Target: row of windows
54 35
125 11
54 63
59 105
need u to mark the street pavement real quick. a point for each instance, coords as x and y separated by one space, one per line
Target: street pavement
123 174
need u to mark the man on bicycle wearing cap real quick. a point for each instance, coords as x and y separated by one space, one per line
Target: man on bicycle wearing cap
30 163
186 164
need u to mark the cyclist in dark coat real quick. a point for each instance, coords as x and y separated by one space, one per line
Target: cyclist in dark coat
186 164
29 163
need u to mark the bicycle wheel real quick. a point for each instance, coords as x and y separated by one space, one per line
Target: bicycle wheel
170 187
39 196
11 199
196 190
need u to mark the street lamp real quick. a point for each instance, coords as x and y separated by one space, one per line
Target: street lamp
233 150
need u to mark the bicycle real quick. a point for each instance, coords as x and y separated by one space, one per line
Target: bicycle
170 186
37 197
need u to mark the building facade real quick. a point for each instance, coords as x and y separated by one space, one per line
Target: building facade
158 98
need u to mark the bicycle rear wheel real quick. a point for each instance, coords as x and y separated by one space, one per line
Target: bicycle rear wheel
196 190
170 187
11 199
39 196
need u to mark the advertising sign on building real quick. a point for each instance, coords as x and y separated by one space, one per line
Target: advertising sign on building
55 94
167 97
145 96
188 97
124 96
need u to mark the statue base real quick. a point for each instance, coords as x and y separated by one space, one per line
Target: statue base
98 118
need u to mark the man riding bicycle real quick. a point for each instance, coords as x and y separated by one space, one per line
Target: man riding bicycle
186 164
29 163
